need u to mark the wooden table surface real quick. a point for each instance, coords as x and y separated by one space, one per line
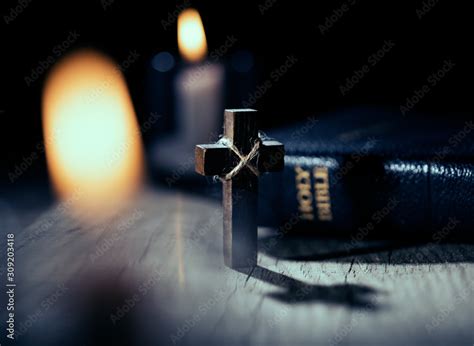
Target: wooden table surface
155 275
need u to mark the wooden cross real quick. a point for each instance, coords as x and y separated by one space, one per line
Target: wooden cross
239 158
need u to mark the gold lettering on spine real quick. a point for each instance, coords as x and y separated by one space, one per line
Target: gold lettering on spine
322 196
303 193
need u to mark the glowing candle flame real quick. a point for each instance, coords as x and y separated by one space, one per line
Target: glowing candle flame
92 139
191 37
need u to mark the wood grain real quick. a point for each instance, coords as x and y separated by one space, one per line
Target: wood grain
161 261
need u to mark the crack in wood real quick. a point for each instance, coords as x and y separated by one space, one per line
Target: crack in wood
350 268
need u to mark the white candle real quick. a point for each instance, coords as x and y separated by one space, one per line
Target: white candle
199 94
198 86
198 90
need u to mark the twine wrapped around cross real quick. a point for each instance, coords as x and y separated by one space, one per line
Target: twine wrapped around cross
245 160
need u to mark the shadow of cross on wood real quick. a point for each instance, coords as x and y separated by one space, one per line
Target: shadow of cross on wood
295 291
238 159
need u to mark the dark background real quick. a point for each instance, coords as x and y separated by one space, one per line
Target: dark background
285 28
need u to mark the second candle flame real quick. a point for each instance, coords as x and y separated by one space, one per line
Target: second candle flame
191 37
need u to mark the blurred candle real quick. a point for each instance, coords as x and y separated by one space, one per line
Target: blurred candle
196 98
93 143
199 85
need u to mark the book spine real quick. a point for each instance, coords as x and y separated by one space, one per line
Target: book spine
366 194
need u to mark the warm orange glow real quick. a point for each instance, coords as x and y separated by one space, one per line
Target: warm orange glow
93 144
191 37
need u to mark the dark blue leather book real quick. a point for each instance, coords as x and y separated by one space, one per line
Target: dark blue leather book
365 171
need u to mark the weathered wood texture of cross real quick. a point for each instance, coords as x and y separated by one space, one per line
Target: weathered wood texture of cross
240 191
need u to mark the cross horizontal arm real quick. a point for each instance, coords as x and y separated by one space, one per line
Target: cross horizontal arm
271 156
216 159
212 159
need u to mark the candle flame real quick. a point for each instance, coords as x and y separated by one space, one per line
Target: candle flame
191 37
92 140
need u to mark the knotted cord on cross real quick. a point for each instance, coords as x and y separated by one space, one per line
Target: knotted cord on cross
244 159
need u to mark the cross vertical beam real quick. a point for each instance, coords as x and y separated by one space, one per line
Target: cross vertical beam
240 193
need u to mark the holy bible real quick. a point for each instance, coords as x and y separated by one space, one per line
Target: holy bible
368 170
